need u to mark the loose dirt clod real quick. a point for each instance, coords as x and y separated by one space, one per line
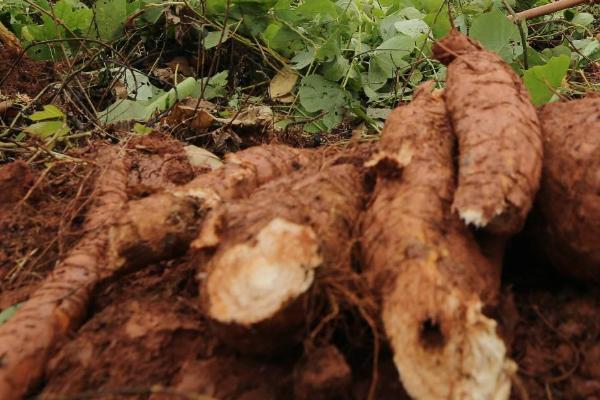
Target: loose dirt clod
162 225
426 266
270 251
499 140
568 199
27 339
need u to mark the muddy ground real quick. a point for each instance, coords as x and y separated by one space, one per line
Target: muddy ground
145 329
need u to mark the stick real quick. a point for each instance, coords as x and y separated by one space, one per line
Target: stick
550 8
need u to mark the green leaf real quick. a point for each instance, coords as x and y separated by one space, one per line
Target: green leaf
497 33
9 312
110 16
542 81
214 38
336 70
215 86
303 58
412 27
127 110
317 93
387 59
45 129
439 23
583 19
141 129
49 111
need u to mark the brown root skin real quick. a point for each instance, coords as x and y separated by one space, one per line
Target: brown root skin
454 45
426 266
177 212
28 338
499 138
269 251
568 200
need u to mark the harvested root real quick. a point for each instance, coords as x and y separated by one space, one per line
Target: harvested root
28 338
426 266
270 250
162 225
499 138
568 199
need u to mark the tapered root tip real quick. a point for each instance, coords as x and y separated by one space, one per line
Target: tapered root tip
254 280
452 352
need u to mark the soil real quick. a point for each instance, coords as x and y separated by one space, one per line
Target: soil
145 337
23 75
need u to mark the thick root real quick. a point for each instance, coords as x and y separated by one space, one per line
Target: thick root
568 199
432 279
269 250
499 138
162 225
28 338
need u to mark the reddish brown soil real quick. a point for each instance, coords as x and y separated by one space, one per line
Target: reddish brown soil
145 329
38 229
26 77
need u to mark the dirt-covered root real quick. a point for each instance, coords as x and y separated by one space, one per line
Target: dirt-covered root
499 140
270 251
27 338
569 200
428 270
323 374
162 225
159 162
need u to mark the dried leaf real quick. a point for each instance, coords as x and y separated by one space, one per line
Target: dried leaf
201 158
283 83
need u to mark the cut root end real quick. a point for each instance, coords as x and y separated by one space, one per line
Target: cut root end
253 281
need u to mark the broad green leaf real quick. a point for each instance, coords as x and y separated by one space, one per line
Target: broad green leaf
439 23
317 93
542 81
214 38
395 48
282 38
127 110
497 33
387 59
412 27
336 70
583 19
75 15
214 86
303 58
588 47
46 129
49 111
110 16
